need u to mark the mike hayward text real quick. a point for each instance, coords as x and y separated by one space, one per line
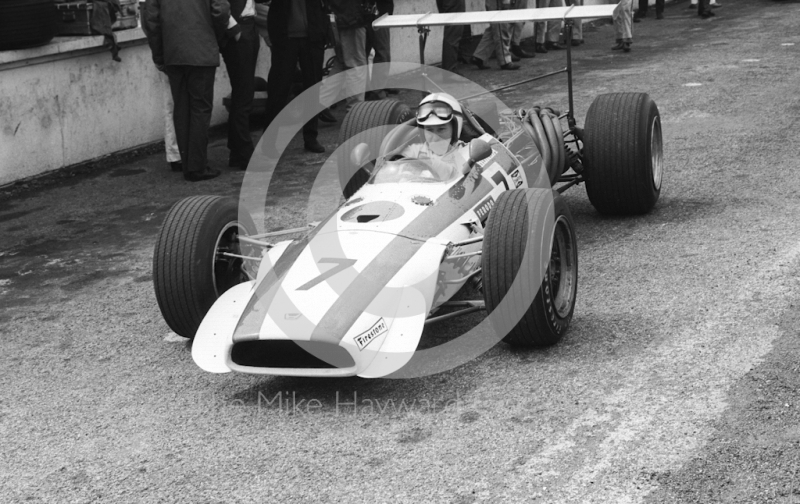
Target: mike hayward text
289 402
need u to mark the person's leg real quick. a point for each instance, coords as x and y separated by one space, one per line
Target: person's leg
659 9
541 28
577 27
452 34
554 28
311 56
642 8
283 63
178 76
516 28
200 88
383 54
354 58
240 61
484 49
170 140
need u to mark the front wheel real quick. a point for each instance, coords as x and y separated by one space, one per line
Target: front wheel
530 267
623 153
190 266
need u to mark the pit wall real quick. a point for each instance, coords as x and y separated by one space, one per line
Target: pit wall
68 102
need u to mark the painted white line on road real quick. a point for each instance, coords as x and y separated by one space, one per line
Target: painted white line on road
662 426
692 84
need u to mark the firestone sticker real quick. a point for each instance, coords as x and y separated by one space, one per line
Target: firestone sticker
365 338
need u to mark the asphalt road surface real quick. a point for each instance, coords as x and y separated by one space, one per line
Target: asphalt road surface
677 381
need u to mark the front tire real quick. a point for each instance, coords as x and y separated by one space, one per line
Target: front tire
189 269
623 153
530 234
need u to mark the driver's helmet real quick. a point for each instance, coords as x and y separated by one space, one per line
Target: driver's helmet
441 108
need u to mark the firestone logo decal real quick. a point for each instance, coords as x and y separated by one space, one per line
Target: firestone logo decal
365 338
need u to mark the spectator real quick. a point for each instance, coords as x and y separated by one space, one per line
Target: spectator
351 54
296 36
184 37
577 26
380 40
641 12
550 28
516 34
240 59
497 37
623 26
170 142
452 35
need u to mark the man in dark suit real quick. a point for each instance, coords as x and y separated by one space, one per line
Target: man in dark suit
296 31
240 60
184 37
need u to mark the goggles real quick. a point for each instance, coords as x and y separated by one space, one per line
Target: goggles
440 109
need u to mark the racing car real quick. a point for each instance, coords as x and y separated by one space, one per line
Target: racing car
351 295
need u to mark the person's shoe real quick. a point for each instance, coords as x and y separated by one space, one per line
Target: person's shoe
176 166
375 95
692 6
660 15
577 42
510 66
207 174
462 59
514 58
314 146
540 48
519 52
715 5
394 91
637 19
707 14
626 46
326 116
553 46
619 45
478 63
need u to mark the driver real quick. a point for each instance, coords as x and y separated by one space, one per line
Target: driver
441 118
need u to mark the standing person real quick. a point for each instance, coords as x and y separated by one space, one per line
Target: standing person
516 34
184 37
452 34
623 26
296 36
641 12
497 37
548 28
380 40
240 59
170 142
351 53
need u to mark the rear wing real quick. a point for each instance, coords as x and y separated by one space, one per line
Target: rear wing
568 15
571 13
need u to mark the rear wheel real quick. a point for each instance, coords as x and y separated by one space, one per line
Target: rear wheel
623 153
357 128
530 267
190 268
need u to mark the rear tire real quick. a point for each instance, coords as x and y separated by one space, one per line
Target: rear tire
27 23
189 270
356 129
623 153
550 270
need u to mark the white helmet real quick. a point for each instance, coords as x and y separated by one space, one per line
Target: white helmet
440 108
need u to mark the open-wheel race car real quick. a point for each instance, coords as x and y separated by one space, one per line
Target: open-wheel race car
352 294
